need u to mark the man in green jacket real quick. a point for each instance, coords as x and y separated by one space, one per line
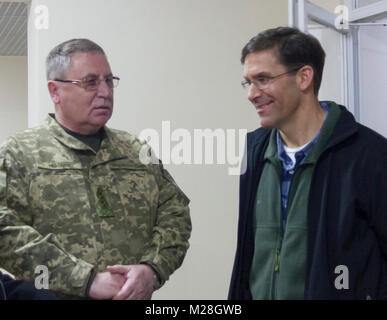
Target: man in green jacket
76 196
312 211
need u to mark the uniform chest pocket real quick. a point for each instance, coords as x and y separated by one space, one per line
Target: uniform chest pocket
138 189
59 198
130 195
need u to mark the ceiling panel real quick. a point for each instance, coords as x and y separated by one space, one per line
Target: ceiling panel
13 29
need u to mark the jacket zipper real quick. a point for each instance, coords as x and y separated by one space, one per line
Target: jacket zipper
276 270
278 251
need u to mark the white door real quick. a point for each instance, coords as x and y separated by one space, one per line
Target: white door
320 22
368 22
354 37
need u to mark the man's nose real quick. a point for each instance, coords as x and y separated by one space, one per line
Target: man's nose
254 92
103 89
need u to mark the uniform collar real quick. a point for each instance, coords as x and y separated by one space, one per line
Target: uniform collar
62 136
107 151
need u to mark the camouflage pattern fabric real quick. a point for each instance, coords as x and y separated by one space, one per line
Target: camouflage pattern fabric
76 211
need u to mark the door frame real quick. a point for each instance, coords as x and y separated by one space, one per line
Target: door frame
300 11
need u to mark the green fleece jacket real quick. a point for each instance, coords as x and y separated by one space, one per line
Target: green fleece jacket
279 262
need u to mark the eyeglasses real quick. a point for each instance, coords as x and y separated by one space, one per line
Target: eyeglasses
92 83
263 82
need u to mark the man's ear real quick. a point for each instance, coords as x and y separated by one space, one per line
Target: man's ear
305 77
53 90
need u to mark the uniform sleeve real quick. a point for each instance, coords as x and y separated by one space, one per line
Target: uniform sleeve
172 230
22 248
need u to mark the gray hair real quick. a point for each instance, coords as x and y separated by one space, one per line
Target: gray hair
59 58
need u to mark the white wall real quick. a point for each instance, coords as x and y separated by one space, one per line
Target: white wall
332 86
373 62
13 95
178 61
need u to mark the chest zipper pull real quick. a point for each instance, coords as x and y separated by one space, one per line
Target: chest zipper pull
277 261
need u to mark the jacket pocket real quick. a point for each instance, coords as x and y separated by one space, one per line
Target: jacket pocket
138 192
60 205
59 195
131 195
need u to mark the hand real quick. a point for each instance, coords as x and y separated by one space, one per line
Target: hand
106 285
139 283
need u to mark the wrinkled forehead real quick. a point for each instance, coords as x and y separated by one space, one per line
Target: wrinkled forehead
83 64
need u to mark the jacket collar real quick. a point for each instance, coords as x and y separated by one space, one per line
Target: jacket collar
345 127
107 151
62 136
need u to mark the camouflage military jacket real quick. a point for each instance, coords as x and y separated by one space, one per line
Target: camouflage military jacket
76 211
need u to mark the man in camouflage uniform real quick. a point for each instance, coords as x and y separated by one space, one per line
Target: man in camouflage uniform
76 197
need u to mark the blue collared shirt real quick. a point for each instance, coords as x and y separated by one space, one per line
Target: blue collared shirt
288 167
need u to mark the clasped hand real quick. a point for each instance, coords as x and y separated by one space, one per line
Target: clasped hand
123 282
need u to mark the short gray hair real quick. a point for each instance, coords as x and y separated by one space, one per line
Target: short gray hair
59 58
